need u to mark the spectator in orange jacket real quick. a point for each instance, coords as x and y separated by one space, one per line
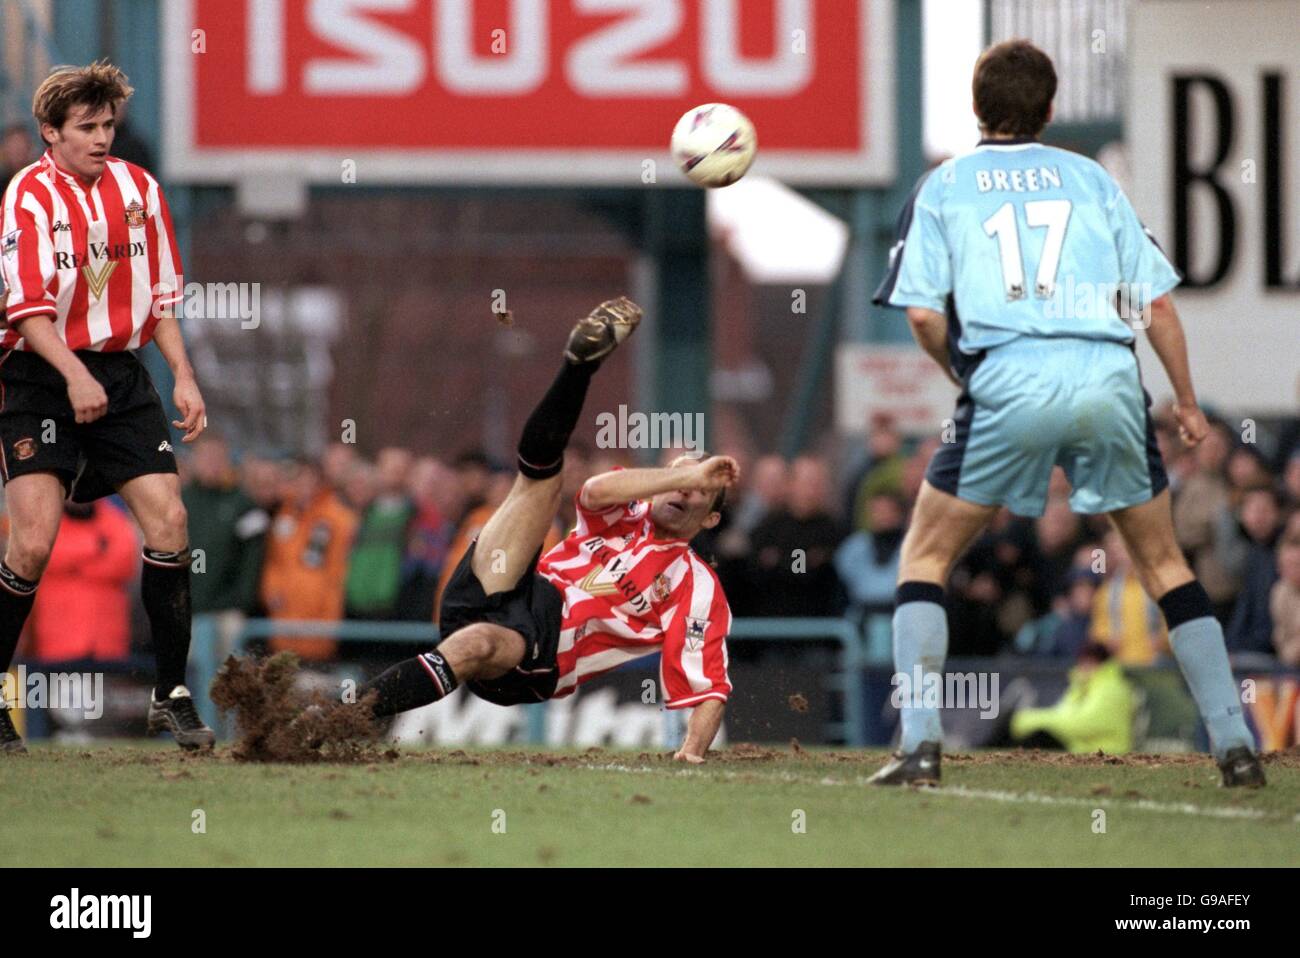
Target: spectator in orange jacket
307 558
83 607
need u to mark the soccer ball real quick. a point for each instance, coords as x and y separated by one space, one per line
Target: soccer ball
714 144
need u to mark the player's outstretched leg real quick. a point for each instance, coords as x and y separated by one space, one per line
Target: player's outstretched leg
479 651
942 527
510 540
1194 634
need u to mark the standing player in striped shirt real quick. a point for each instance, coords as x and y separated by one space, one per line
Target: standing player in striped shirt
92 274
522 627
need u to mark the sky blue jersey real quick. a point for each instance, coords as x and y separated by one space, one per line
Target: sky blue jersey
1020 239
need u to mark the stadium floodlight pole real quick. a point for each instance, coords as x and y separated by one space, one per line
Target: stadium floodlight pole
676 236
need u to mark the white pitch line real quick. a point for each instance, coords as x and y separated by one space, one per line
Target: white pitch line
988 795
1140 804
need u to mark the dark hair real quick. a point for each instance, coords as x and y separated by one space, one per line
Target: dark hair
1095 652
95 86
1014 85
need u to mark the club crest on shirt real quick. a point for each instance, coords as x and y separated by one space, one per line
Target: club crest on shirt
695 629
135 215
24 448
661 588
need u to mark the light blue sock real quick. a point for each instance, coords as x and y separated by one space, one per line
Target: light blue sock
1198 647
920 639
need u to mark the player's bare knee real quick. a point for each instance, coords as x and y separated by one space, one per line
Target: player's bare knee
166 531
28 552
175 517
474 646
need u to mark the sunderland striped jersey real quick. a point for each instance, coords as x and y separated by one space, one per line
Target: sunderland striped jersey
627 595
100 260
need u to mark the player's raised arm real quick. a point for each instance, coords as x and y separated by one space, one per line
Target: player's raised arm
610 489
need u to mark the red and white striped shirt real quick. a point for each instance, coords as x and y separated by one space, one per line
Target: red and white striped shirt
100 260
628 594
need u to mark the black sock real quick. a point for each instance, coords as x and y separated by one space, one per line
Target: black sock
1183 604
410 684
165 588
918 592
547 432
16 597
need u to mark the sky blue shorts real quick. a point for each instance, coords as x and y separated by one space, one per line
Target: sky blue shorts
1036 403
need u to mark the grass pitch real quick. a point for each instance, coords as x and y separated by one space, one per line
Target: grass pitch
135 804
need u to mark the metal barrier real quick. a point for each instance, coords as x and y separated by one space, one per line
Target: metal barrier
209 649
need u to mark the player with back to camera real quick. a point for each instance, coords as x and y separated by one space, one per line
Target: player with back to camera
994 247
521 627
92 273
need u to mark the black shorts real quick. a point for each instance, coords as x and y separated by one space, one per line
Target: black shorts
39 431
534 608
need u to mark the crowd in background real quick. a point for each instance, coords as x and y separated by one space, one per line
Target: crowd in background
349 536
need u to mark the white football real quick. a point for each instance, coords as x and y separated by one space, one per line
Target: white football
714 144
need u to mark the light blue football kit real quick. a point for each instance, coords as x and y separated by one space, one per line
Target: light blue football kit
1032 251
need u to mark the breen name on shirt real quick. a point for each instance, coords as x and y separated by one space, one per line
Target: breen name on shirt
1031 180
